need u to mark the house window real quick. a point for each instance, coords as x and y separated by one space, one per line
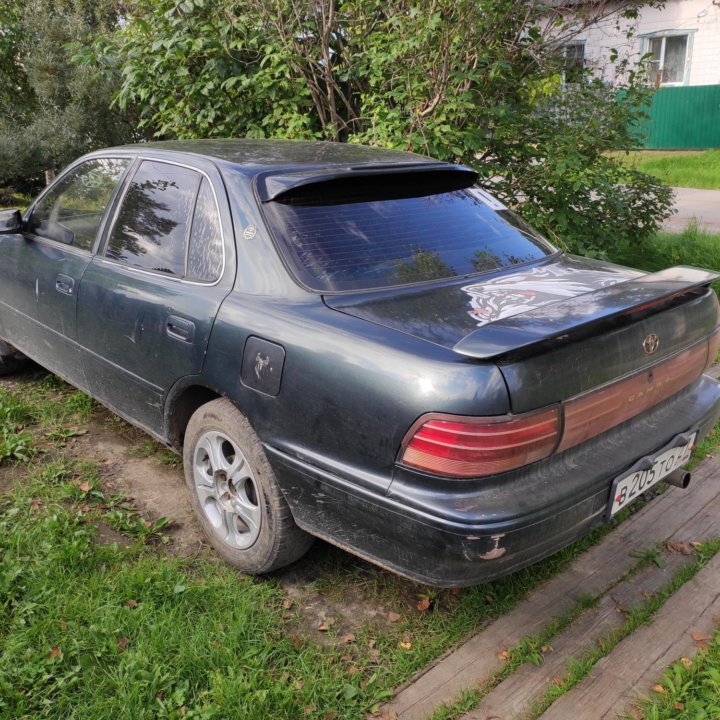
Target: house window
669 55
574 61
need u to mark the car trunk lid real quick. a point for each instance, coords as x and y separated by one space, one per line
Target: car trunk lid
555 330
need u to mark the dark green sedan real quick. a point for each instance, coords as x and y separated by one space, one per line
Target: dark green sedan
359 345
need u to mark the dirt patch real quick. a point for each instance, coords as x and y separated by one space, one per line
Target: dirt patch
7 478
157 489
107 535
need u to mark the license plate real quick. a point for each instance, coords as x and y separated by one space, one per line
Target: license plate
648 472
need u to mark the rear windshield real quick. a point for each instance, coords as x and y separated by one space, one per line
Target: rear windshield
339 245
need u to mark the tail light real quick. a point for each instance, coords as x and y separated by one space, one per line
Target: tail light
463 447
469 447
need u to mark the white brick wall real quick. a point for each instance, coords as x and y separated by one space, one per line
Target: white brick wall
700 17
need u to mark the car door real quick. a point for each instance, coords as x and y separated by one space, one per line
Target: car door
42 268
148 300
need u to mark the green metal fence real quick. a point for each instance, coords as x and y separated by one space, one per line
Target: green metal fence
682 118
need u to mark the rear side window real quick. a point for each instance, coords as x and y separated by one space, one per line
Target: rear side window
385 242
71 211
153 224
205 251
168 223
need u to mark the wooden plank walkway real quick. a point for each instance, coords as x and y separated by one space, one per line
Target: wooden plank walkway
514 697
678 515
640 660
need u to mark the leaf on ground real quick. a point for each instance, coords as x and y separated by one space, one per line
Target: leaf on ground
700 639
489 598
36 504
310 709
636 712
352 670
423 603
132 603
393 616
299 684
406 645
696 544
84 486
122 643
681 548
503 655
686 662
545 649
330 715
659 689
84 508
55 652
349 638
287 603
679 706
559 682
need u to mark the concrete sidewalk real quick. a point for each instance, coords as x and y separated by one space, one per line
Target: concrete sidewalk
700 205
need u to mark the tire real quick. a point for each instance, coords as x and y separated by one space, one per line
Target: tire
10 359
235 494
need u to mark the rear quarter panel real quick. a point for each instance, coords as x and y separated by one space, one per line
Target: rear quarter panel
350 389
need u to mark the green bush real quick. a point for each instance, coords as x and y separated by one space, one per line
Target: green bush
468 81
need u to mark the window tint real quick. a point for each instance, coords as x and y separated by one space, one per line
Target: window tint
71 212
362 245
205 253
152 226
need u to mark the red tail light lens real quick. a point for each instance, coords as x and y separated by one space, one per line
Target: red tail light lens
457 446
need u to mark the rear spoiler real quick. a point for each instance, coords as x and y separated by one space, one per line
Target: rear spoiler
556 320
386 180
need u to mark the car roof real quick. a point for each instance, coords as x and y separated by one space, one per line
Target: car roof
254 156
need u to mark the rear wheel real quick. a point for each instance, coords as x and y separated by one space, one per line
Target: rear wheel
11 360
235 494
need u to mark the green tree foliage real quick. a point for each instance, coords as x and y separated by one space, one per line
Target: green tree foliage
54 107
479 82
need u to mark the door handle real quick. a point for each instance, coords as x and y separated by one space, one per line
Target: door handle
65 284
180 328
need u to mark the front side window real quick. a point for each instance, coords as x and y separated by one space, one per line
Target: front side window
152 227
668 58
347 245
71 212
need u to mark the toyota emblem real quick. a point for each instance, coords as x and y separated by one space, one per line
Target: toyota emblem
651 343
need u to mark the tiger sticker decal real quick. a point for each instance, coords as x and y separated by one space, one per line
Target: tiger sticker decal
521 292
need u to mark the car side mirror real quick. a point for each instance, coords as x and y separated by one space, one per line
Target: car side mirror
11 221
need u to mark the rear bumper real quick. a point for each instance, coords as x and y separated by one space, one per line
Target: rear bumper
458 533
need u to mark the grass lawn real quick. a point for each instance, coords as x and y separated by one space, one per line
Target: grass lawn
690 689
10 199
94 627
101 618
690 247
681 168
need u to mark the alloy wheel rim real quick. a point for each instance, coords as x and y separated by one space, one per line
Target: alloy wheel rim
227 490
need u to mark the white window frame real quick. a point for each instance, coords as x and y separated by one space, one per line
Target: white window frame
664 34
